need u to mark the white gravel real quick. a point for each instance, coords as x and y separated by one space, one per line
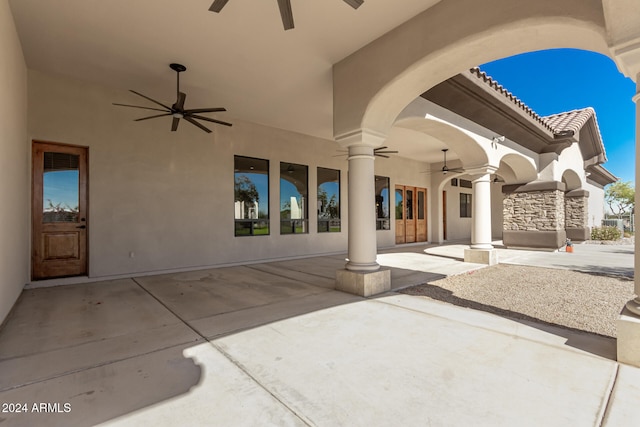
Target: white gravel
570 299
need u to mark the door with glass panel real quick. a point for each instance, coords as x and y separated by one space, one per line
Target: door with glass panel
411 214
421 214
59 211
400 214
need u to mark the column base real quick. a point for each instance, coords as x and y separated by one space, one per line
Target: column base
628 337
481 256
578 234
363 283
354 266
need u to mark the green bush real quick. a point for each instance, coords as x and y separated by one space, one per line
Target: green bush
605 233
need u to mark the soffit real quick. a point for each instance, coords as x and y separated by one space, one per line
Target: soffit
241 58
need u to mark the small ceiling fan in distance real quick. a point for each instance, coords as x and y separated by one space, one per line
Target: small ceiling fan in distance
285 9
445 169
177 109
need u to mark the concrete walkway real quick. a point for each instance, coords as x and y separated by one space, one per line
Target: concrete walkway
274 344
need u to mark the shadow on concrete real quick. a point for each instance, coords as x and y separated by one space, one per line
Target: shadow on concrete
593 343
91 353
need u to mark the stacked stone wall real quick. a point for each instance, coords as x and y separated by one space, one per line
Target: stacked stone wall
576 212
534 211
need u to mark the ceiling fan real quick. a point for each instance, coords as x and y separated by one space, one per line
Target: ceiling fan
445 169
177 109
285 9
379 152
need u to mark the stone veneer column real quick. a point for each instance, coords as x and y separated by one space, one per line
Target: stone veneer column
362 274
534 215
577 215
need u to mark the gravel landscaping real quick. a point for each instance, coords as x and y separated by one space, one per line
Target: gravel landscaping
570 299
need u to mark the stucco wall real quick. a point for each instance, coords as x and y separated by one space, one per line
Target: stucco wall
457 228
167 197
14 165
596 205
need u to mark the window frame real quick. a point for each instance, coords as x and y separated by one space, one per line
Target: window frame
257 223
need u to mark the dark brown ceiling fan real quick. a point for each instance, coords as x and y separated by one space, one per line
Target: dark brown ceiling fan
285 9
177 109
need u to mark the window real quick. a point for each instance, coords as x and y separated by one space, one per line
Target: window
465 205
466 183
328 200
293 198
382 203
251 188
454 182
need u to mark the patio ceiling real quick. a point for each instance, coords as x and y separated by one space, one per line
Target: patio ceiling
241 58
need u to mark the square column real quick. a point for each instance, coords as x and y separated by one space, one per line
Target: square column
577 215
534 215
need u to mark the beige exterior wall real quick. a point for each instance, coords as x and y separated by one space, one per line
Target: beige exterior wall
167 197
14 165
596 205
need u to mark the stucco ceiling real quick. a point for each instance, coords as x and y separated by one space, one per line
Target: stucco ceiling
241 59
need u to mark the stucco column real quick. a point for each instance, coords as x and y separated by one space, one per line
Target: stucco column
481 212
482 251
362 274
362 215
634 304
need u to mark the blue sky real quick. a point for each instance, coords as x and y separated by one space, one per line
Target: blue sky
553 81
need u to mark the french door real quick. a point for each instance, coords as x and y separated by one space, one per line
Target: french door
411 214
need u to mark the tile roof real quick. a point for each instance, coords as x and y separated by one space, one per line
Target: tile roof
489 81
556 123
570 120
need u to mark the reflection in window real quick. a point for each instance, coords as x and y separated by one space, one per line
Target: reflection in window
421 205
293 198
251 188
409 204
465 205
382 203
328 200
61 187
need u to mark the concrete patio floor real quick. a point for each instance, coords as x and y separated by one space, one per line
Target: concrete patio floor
274 344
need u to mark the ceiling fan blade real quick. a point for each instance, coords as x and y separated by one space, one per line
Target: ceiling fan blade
179 105
152 100
174 124
354 3
204 110
193 122
217 5
286 14
381 155
137 106
152 117
388 152
380 148
195 116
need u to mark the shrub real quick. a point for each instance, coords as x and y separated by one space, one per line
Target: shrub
605 233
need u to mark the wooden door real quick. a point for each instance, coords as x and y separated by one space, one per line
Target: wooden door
421 214
400 213
410 214
59 211
444 215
